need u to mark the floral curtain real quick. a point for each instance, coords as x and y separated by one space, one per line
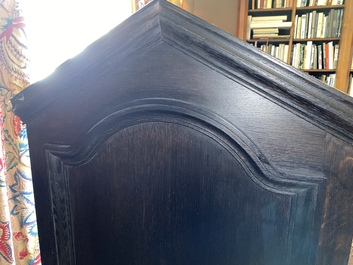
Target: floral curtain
18 229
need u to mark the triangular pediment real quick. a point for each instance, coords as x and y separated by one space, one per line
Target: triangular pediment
163 23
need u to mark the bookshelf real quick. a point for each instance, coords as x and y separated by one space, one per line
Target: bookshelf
317 39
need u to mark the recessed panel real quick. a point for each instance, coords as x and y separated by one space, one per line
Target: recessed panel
161 193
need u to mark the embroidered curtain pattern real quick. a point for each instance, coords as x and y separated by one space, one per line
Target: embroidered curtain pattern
18 230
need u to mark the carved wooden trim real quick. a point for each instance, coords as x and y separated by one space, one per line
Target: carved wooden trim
61 214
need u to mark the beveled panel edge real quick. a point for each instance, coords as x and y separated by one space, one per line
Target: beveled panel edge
204 121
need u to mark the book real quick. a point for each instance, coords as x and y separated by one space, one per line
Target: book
282 24
320 22
302 56
294 54
324 28
330 55
248 29
330 25
321 2
340 20
324 56
308 54
335 56
299 26
338 2
319 60
315 56
266 30
266 18
303 26
278 4
286 52
310 22
265 36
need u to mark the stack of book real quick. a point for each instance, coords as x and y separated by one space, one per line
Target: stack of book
315 56
302 3
328 79
268 27
280 51
318 24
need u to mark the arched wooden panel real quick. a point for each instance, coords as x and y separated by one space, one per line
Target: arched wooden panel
162 184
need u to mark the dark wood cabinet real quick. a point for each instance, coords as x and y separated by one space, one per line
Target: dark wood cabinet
168 141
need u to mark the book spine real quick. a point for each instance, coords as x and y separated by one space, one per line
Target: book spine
319 57
324 28
339 18
335 56
301 56
319 25
309 25
324 56
303 26
327 56
299 26
294 54
312 25
316 57
330 25
312 57
248 31
286 51
308 55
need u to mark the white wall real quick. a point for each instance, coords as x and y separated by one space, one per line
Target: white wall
221 13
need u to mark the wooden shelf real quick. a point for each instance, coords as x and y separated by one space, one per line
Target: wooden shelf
269 40
269 10
345 40
319 8
319 70
316 39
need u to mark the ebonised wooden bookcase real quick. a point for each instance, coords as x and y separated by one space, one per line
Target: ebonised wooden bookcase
168 141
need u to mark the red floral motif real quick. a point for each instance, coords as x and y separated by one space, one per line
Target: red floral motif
11 24
23 254
20 236
37 260
5 235
2 117
16 123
